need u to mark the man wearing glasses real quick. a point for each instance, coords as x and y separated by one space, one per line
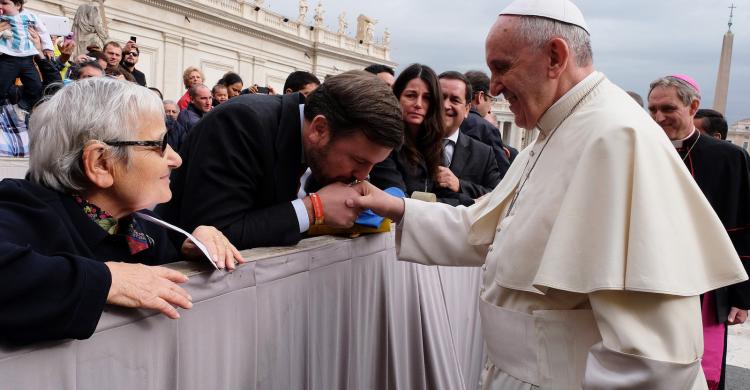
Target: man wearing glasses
130 56
475 126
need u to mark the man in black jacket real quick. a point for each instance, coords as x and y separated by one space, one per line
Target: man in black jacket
130 56
475 126
200 103
722 171
242 163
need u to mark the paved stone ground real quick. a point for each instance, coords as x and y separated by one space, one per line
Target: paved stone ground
738 358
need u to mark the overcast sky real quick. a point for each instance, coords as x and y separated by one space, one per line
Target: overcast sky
634 41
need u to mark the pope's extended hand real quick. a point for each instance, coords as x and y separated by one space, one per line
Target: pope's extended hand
222 251
380 202
147 287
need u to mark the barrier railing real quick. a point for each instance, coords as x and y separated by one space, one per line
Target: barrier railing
329 313
13 167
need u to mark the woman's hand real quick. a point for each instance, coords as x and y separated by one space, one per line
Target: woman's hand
222 251
66 50
36 40
147 287
81 59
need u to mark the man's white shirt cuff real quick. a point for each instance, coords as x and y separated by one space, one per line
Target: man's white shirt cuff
302 217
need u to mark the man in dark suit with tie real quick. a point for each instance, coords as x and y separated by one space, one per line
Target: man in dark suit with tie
470 169
242 163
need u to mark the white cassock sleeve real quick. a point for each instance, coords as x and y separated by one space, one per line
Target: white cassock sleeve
436 234
649 341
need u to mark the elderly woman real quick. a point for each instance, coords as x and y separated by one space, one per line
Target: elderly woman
190 77
70 240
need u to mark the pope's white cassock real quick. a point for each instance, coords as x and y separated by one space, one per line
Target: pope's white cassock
592 278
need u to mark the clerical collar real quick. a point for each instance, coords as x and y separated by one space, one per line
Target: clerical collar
679 143
453 137
557 112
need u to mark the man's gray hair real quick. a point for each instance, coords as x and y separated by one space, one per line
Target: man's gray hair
537 31
685 92
97 108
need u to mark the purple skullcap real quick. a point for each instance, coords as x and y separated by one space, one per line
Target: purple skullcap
689 80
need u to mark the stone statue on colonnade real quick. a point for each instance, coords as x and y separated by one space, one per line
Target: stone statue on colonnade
302 11
343 25
88 28
370 33
319 15
365 28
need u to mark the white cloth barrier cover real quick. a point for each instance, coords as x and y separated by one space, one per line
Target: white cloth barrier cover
327 314
12 167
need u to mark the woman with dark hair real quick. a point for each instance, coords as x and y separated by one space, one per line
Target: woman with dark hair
233 82
418 91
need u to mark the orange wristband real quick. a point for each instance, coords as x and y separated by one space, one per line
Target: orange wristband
317 205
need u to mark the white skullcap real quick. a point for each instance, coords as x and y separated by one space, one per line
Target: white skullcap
560 10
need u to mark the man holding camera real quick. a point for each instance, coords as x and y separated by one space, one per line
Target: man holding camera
130 54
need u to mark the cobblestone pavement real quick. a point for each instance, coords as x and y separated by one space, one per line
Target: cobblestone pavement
738 358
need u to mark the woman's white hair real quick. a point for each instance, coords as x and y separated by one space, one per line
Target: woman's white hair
537 31
97 108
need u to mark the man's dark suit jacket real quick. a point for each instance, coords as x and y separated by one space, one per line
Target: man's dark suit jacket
473 164
722 171
241 168
53 280
478 128
139 77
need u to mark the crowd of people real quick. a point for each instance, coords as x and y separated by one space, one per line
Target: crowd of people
601 228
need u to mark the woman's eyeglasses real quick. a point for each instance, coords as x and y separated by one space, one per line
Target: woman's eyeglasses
161 145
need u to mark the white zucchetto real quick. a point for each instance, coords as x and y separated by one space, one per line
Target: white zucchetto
560 10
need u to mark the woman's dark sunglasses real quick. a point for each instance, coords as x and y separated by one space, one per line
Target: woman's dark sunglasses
162 145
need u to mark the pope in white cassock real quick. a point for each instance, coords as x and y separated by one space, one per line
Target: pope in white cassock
596 244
